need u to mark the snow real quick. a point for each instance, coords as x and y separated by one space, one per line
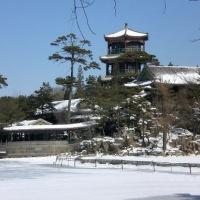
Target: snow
31 122
178 78
106 78
131 84
137 84
174 74
37 178
62 106
140 95
91 117
177 132
109 57
179 75
24 123
127 32
52 127
104 139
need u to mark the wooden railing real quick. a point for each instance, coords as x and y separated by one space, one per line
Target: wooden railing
123 50
122 163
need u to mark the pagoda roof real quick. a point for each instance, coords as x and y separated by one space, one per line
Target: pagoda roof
126 32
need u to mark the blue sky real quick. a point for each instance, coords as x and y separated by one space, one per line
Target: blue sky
27 27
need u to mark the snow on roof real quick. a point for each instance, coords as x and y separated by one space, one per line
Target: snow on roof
51 127
175 74
31 122
126 32
63 105
24 123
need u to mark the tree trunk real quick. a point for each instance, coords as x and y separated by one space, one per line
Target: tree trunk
70 92
164 140
143 135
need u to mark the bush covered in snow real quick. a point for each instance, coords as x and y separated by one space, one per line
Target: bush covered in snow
104 144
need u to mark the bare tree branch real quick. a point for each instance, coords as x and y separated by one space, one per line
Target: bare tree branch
165 6
195 40
115 7
76 18
86 4
86 17
82 5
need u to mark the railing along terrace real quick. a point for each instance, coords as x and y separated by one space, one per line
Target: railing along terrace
123 50
77 161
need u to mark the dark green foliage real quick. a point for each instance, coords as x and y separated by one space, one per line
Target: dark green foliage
3 81
91 91
125 78
14 109
10 110
136 56
154 61
188 108
42 98
145 75
74 51
27 105
108 100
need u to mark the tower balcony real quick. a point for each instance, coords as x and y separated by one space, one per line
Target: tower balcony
124 50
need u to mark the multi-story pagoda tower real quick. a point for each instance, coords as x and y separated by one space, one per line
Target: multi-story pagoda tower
121 43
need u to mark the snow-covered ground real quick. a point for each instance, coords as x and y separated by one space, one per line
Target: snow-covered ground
37 178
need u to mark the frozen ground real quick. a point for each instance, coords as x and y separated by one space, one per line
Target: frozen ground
36 178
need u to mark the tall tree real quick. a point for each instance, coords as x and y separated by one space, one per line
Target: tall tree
166 106
73 51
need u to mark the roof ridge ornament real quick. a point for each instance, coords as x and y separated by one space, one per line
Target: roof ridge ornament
126 25
126 28
127 32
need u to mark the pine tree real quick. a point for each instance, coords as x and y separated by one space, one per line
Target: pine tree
42 98
73 51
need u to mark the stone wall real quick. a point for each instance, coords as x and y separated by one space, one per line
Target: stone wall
35 148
